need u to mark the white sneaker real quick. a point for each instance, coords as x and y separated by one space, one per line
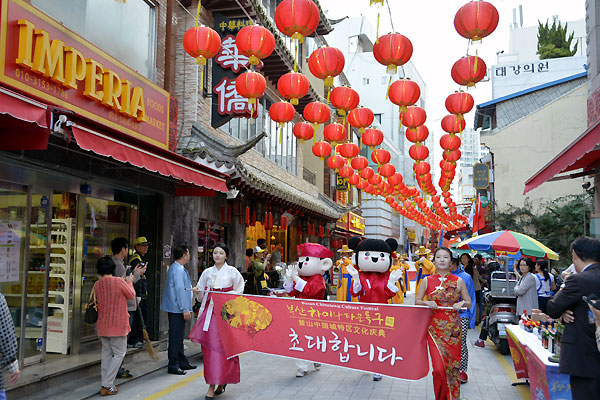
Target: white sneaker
317 366
300 373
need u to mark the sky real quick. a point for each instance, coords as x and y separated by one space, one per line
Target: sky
429 24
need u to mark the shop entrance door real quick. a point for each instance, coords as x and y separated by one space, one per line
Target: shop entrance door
209 234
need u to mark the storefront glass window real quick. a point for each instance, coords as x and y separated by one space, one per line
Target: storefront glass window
110 26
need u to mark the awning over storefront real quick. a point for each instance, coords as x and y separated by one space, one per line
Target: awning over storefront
23 123
165 163
582 153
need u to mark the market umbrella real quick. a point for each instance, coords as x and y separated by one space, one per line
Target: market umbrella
507 242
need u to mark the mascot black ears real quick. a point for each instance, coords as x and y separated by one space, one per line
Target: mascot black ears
371 245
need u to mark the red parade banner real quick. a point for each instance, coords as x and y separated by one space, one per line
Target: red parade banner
385 339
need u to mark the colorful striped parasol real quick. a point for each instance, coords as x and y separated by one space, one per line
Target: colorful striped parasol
508 242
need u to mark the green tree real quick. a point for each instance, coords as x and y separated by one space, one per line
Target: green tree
558 224
553 41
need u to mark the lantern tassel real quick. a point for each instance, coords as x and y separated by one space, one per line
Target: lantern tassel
476 58
280 132
328 93
198 13
295 56
377 34
387 92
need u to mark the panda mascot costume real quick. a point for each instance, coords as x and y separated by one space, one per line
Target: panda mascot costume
305 281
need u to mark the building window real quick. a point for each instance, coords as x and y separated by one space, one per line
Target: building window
125 30
353 44
365 81
378 118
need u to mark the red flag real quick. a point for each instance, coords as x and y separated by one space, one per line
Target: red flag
478 219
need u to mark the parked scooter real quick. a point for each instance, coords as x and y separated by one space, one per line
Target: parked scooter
502 309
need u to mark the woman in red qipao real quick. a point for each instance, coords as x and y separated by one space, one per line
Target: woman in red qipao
444 290
218 370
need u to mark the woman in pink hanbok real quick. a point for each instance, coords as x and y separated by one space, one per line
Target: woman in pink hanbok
218 370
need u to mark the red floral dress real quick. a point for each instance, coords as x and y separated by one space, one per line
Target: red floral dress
445 326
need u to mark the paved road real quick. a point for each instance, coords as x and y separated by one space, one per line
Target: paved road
268 377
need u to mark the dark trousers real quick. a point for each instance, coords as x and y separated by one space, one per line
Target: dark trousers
176 330
585 388
542 303
136 334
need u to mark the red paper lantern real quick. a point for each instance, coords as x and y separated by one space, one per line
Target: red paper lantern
293 86
354 179
334 133
251 85
376 179
452 124
450 142
326 63
362 185
413 117
396 179
387 170
468 71
392 50
282 112
201 43
303 131
359 163
372 137
361 118
451 155
344 99
321 149
297 18
317 113
367 173
348 150
418 152
404 93
255 42
459 103
476 20
346 171
447 165
421 168
336 162
418 134
381 156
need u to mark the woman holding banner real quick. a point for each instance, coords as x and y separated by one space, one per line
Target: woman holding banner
444 292
218 370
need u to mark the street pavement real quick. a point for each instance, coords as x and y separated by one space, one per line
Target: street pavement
270 377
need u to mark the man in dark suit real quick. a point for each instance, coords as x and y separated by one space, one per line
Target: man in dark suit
579 356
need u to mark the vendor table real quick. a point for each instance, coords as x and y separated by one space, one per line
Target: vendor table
531 362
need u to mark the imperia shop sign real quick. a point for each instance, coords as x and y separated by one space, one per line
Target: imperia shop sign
226 66
41 57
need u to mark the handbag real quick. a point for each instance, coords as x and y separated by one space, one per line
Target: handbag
91 309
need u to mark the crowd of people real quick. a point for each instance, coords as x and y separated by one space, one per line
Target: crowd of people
451 287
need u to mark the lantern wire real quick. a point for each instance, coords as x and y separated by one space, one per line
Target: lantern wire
390 12
198 13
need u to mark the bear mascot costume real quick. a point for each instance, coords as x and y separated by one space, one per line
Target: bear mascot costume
305 281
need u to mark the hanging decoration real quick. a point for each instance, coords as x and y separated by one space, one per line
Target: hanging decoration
251 85
450 142
326 63
344 99
459 103
387 170
293 86
346 171
297 19
359 163
321 149
392 50
468 71
202 43
317 113
255 42
404 93
334 133
281 112
336 162
372 137
361 118
413 117
303 131
476 20
380 156
417 134
348 150
452 124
